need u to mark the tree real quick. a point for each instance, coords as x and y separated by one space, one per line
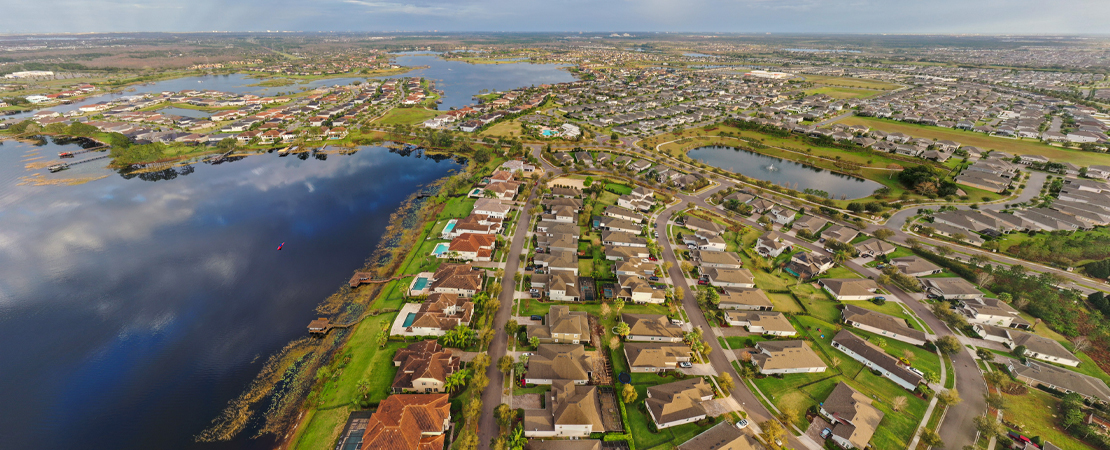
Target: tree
1072 416
898 403
686 267
880 342
1080 344
948 344
987 426
984 354
534 341
455 380
505 364
516 440
772 432
467 440
931 377
1019 351
995 401
931 438
950 397
628 394
789 415
622 329
618 305
725 380
884 233
505 415
512 328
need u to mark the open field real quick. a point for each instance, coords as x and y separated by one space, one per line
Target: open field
506 128
1034 412
851 82
406 116
982 141
842 92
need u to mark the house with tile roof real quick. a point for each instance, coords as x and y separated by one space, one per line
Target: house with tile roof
783 357
439 313
423 367
472 247
570 410
853 417
677 403
460 279
408 422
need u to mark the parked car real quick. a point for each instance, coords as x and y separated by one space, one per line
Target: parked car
537 317
685 364
652 258
879 297
653 278
703 282
742 424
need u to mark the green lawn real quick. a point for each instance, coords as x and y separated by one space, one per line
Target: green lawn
922 359
1034 413
892 309
817 303
982 141
457 207
843 92
785 303
620 189
850 82
406 116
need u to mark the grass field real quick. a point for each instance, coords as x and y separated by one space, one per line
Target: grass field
982 141
843 92
892 309
406 116
851 82
1033 411
506 128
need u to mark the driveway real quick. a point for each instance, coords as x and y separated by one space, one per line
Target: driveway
699 369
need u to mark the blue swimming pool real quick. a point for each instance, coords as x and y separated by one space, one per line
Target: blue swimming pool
441 248
450 226
409 319
548 132
420 284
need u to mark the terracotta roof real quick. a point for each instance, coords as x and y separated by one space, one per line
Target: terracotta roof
457 276
402 420
425 359
471 242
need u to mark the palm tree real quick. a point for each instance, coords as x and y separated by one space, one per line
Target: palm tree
841 256
455 380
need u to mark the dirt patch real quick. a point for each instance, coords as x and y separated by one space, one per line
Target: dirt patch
527 401
567 182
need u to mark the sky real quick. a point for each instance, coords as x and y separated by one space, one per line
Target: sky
788 16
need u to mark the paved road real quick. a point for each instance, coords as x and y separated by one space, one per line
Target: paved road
834 119
491 398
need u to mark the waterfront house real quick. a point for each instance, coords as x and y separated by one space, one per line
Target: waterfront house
409 422
423 367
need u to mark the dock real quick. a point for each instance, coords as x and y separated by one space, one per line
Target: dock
361 278
63 166
322 325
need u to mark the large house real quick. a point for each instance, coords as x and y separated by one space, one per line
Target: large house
1038 347
723 436
655 357
1036 373
882 324
853 418
423 367
728 278
992 311
622 239
951 288
651 327
637 290
439 313
491 207
677 403
553 362
472 247
409 422
558 285
875 358
462 280
558 260
570 410
751 299
811 224
563 327
476 224
844 289
770 323
721 260
806 265
781 357
874 247
771 244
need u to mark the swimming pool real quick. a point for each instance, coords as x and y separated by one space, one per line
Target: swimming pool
450 226
420 284
548 132
440 249
409 319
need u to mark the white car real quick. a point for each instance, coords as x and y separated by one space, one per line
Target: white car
742 424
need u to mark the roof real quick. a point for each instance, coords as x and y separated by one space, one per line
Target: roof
457 276
679 400
1085 385
745 297
786 355
560 362
850 286
443 311
424 359
651 325
722 275
876 355
723 436
876 246
575 405
652 354
951 286
695 223
560 319
402 419
848 405
768 320
718 257
1042 345
914 264
881 321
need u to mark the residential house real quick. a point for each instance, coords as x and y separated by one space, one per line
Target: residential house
874 247
472 247
651 327
728 278
951 288
723 436
845 289
806 265
678 403
655 356
721 260
553 362
440 313
771 323
783 357
570 410
1040 374
423 367
915 266
840 233
409 422
882 324
558 285
992 311
811 224
771 244
750 299
491 207
460 279
563 326
1036 346
853 418
623 213
622 239
875 358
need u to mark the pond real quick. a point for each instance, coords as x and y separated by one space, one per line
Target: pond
461 81
133 309
784 172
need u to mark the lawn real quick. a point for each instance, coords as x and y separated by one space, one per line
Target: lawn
1033 412
922 359
367 361
982 141
506 128
817 303
893 309
843 92
620 189
406 116
850 82
457 207
785 303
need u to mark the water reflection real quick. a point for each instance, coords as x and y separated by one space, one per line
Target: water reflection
783 172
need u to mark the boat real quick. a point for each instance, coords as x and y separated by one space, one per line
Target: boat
280 246
58 167
65 154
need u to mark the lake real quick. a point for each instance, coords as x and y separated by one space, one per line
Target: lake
779 171
132 311
461 81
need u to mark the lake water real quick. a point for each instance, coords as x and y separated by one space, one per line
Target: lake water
132 311
461 81
780 171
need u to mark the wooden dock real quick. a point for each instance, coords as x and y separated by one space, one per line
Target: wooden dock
322 325
361 278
